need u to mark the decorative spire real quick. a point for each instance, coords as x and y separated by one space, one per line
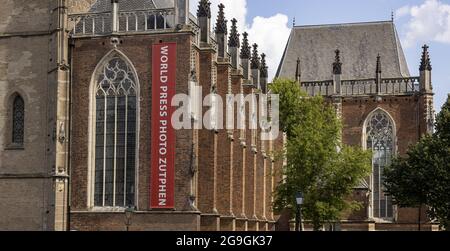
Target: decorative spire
255 57
234 35
378 70
245 50
425 63
204 9
263 72
337 65
114 17
378 75
298 71
221 24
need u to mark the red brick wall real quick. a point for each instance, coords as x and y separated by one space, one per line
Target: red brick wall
405 111
238 156
224 151
207 188
229 176
87 54
250 164
269 179
141 221
260 182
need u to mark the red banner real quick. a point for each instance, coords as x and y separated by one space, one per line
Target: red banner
163 134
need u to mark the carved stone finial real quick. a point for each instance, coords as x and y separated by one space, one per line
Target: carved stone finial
337 65
263 71
255 57
378 70
204 9
245 50
234 35
221 24
425 63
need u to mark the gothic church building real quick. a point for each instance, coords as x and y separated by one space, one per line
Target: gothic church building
84 141
360 68
81 114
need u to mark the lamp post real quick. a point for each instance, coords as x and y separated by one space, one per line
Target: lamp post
129 211
298 215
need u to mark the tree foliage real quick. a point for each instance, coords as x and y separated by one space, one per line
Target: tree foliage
318 165
422 177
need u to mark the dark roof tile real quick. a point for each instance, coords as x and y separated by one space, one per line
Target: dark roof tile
359 45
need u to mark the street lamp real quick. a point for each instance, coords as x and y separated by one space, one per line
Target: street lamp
298 215
129 211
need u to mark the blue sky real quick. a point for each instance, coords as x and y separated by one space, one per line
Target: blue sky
343 11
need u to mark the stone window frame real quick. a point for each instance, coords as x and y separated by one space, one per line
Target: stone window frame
10 144
394 153
92 135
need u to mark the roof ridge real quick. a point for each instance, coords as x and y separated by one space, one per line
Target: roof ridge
342 24
399 50
280 66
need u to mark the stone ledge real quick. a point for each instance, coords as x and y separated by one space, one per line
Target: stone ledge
26 176
140 221
138 212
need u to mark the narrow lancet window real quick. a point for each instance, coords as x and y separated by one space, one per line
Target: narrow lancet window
381 140
18 121
115 134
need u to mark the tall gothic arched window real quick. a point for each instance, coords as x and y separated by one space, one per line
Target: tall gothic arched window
18 121
116 111
380 138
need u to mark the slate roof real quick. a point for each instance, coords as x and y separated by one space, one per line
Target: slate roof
105 5
359 44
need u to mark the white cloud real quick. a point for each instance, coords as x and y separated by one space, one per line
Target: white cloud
270 33
429 21
403 11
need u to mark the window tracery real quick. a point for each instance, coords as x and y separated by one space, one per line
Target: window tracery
380 139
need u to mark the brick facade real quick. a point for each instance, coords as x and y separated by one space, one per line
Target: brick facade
231 179
409 125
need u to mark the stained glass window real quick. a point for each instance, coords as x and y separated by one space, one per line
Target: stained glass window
380 139
18 121
115 135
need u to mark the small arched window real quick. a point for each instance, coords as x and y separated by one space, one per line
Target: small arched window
18 121
380 138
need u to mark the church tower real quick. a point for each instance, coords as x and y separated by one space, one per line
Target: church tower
34 113
34 91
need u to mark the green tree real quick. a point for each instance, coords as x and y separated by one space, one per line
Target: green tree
405 178
422 176
318 165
